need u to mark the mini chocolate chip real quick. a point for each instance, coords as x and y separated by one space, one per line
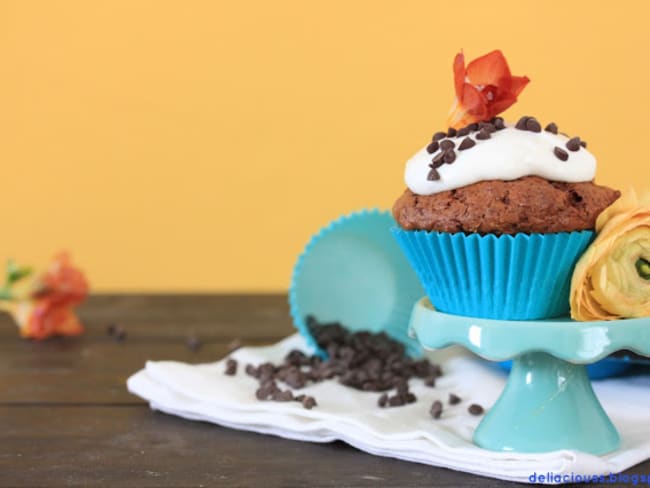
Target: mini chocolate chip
430 381
463 132
483 135
395 401
473 127
231 367
454 399
300 397
560 153
466 144
447 144
436 409
532 125
309 402
410 398
451 132
449 157
573 144
499 124
521 123
193 343
262 393
433 147
487 126
438 136
583 144
475 409
433 175
383 400
552 128
283 396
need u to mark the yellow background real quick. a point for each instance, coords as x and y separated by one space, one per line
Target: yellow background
197 145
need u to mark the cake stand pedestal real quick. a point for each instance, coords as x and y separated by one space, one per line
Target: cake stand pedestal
548 402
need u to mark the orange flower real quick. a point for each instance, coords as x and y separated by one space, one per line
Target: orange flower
50 308
484 89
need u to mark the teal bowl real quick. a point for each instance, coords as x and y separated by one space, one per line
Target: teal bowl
353 272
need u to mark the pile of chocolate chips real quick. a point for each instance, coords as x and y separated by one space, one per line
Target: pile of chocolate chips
530 124
362 360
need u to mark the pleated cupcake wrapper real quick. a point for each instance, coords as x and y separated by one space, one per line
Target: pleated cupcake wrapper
362 233
509 277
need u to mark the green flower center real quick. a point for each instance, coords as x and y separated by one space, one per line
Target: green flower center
643 268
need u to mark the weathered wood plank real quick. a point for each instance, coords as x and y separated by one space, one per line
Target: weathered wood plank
158 317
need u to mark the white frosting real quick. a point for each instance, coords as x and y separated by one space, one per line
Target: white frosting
509 154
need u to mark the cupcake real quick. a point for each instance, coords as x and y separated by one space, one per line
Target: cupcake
495 215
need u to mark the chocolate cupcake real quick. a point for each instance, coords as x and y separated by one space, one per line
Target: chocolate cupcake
496 215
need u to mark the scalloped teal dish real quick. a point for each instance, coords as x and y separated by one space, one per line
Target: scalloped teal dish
352 271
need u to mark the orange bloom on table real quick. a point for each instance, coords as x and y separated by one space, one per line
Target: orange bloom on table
484 88
49 308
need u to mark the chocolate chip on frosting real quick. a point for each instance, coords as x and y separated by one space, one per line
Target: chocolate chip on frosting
573 144
560 153
532 125
552 128
433 175
439 135
433 147
451 132
583 144
473 126
463 132
447 144
466 144
449 157
483 134
521 123
498 123
437 160
487 126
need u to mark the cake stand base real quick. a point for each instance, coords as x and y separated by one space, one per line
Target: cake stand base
548 404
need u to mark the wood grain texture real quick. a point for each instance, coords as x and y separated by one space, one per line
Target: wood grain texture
66 418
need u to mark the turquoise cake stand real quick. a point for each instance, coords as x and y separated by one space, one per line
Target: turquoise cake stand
548 403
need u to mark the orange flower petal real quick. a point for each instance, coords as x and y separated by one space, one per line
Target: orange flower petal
459 74
489 69
474 102
517 84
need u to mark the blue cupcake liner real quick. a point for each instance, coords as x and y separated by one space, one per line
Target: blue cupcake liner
507 277
352 271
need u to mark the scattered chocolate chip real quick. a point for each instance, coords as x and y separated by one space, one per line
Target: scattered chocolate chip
252 371
451 132
410 397
454 399
532 125
438 136
433 147
309 402
487 126
396 401
583 144
193 343
438 159
498 122
449 157
465 131
231 367
300 397
282 396
430 381
573 144
552 128
383 400
483 134
447 144
466 144
120 334
560 153
436 409
234 345
473 127
475 409
433 175
521 123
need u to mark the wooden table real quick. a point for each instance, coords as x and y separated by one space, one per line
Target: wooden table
67 420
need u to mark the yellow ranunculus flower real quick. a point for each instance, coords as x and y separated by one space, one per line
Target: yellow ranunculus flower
612 278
